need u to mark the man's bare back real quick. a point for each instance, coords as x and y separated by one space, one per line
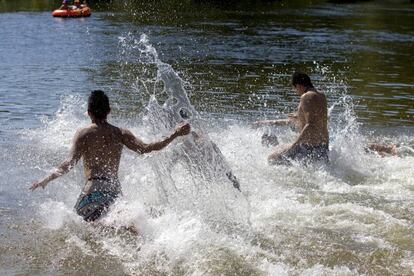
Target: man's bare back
100 145
311 119
101 148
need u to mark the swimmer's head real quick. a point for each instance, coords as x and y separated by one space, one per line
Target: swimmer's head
98 104
301 82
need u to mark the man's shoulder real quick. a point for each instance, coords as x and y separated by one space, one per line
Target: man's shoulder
84 131
92 130
312 95
125 131
118 131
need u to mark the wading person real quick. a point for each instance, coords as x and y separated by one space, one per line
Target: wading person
311 119
100 145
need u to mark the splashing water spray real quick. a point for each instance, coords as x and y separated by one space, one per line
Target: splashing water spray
194 174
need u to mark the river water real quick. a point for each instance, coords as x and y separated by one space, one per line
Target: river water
227 67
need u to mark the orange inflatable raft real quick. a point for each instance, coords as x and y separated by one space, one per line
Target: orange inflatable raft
83 12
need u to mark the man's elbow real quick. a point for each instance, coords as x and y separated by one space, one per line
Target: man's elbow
144 149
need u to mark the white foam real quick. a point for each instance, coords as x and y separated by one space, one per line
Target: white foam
188 220
322 270
56 214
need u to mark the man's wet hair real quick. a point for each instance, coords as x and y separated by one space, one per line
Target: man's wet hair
302 79
98 104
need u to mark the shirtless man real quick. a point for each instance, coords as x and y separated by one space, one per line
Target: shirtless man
100 145
311 119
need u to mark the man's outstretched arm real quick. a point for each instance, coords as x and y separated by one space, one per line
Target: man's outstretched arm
279 122
74 156
290 120
135 144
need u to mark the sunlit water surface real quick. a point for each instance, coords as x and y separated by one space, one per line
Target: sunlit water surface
353 216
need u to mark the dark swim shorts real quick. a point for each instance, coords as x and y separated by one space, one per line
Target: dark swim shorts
305 153
95 203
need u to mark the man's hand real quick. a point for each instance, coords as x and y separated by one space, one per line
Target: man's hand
38 184
183 129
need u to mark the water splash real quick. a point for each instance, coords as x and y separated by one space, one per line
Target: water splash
194 175
331 220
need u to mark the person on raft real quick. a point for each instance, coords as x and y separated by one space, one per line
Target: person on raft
65 5
100 145
311 119
77 4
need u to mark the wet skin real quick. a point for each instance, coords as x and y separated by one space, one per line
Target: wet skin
100 145
311 119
